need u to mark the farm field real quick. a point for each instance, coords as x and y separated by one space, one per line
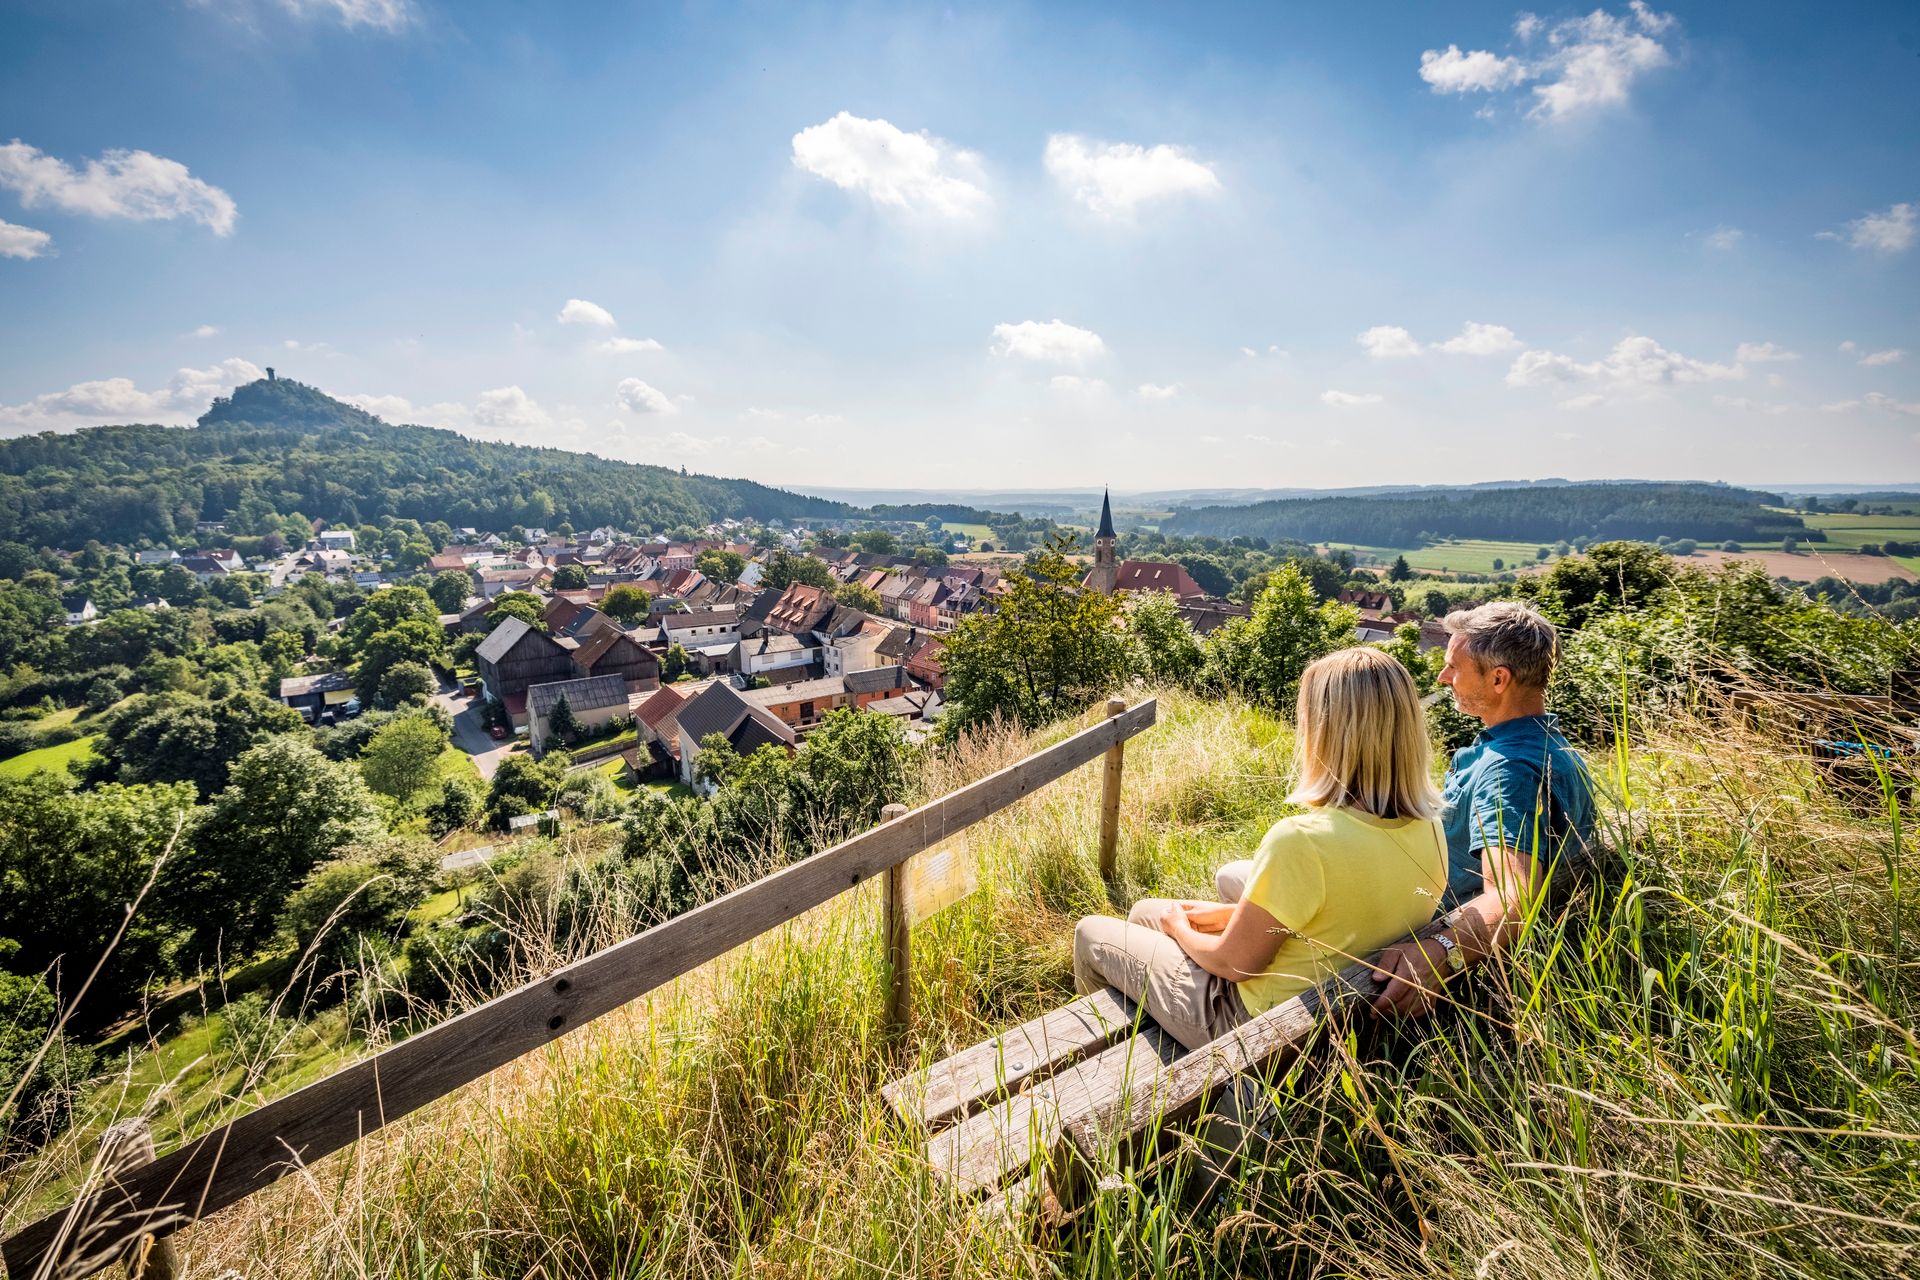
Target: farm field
1816 561
973 531
55 758
1468 555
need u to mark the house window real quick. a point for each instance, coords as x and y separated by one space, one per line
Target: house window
806 711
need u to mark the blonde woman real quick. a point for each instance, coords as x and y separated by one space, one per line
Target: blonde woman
1363 867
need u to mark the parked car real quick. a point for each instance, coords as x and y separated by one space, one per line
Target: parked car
498 733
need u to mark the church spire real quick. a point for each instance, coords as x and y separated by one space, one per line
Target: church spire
1105 574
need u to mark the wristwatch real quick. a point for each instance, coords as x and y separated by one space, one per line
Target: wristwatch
1456 958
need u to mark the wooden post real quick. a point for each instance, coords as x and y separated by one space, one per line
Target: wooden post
899 937
1110 802
124 1147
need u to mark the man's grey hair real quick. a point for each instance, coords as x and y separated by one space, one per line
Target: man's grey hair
1508 634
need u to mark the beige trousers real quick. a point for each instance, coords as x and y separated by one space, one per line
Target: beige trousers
1149 968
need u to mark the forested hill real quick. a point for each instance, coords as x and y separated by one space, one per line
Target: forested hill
1707 512
281 447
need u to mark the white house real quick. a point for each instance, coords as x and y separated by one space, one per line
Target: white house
334 540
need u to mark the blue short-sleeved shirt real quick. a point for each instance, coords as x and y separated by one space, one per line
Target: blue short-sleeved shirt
1519 784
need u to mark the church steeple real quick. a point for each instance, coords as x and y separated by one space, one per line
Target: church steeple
1105 574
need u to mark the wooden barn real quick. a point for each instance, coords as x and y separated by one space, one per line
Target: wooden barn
516 655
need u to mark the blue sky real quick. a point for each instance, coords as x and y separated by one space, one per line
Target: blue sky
988 246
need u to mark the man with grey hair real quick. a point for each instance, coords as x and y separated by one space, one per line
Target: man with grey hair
1518 799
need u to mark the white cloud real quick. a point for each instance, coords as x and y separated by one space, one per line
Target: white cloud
580 311
1350 399
627 346
1633 362
1480 340
638 397
1849 345
1875 400
1111 178
120 184
1590 400
510 409
17 241
111 400
1770 407
384 15
392 408
205 331
1388 342
1762 353
1874 359
1586 62
1074 384
1724 238
823 420
1152 391
1391 342
1452 71
912 171
1889 232
1055 341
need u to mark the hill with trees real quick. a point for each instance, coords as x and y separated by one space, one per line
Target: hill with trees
1645 511
276 449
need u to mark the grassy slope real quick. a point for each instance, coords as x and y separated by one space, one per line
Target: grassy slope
1466 555
54 757
1707 1073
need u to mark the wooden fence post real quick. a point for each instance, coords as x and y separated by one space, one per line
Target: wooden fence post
1110 802
899 938
124 1147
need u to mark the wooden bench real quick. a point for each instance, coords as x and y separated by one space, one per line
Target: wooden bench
1013 1120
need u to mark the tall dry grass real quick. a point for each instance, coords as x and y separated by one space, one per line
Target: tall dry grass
1704 1067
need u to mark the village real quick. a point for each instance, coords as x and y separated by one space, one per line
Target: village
760 665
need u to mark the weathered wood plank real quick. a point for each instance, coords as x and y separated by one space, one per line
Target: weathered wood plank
1110 801
230 1162
960 1085
975 1156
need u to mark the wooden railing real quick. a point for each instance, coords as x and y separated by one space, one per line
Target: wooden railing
233 1161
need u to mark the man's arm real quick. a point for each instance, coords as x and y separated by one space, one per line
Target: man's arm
1413 972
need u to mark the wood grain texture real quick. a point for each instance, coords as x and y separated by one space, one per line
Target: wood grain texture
960 1085
1012 1137
1110 801
227 1163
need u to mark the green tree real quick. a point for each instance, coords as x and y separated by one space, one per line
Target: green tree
1261 657
627 603
1541 553
877 542
359 898
37 1089
523 605
403 758
386 609
1499 564
674 665
564 724
852 765
70 864
285 809
928 554
1400 570
524 785
720 564
407 684
174 737
786 568
570 577
449 589
1612 575
1165 649
459 804
409 643
1047 652
857 595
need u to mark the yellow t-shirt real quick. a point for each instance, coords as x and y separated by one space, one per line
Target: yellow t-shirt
1343 884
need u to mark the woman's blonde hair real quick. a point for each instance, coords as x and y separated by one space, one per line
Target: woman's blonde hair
1360 738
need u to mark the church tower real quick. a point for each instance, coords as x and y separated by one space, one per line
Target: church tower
1105 573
